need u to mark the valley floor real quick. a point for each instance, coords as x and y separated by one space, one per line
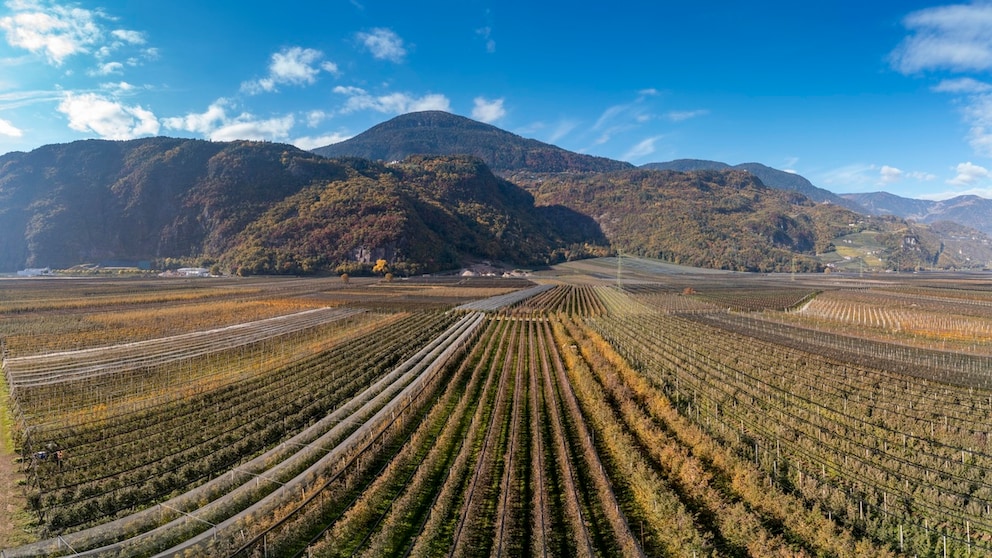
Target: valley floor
603 407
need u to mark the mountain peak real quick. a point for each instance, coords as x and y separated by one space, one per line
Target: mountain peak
441 133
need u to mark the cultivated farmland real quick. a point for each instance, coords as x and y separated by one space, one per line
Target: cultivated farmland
594 410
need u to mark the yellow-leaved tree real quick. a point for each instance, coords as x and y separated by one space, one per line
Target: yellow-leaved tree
381 266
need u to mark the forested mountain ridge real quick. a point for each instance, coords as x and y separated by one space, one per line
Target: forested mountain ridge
773 178
730 220
259 207
421 214
95 201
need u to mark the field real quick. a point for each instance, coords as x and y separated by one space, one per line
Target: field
598 409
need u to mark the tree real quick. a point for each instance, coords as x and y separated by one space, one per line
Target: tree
381 266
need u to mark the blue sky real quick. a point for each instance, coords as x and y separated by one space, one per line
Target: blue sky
856 96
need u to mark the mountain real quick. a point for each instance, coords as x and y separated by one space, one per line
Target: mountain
772 178
729 219
421 214
971 211
442 133
259 207
93 200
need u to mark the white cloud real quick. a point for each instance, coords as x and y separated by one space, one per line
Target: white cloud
890 174
119 87
315 117
384 44
110 68
962 85
968 174
89 112
395 103
642 149
957 37
680 115
291 66
247 127
202 123
311 142
58 32
8 129
488 111
128 36
977 113
216 124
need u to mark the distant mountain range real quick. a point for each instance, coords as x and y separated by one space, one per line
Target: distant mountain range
773 178
971 211
428 192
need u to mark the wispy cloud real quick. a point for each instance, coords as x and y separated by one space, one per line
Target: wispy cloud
850 178
488 111
962 85
625 117
216 124
129 36
394 103
17 99
861 177
680 115
562 129
643 148
108 118
110 68
956 38
384 44
486 34
291 66
313 142
8 129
